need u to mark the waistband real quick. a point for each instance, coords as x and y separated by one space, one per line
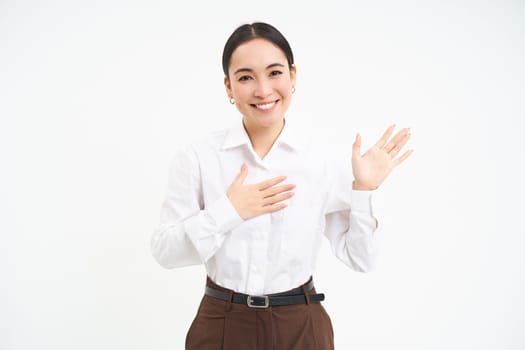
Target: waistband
299 295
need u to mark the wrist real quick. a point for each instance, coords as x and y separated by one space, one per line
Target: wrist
358 186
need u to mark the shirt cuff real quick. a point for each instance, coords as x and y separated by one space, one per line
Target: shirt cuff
361 201
224 214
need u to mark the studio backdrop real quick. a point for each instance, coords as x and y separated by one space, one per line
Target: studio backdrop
97 96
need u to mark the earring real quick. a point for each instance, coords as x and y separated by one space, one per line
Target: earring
293 89
232 101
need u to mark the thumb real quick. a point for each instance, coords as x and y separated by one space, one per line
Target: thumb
242 175
356 148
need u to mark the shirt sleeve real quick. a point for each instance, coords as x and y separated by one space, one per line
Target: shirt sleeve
351 225
189 233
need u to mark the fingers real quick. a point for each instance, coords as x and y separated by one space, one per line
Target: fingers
276 194
256 199
382 141
277 198
397 143
356 148
272 191
269 183
239 180
396 139
403 157
273 208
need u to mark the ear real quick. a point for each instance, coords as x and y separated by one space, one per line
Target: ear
293 73
228 87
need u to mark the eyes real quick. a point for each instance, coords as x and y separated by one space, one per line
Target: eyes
273 74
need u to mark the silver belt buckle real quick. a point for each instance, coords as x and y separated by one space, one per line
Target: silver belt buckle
254 299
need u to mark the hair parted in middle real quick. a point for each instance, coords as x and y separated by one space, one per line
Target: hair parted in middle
247 32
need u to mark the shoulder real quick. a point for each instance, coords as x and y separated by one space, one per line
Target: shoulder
209 144
194 151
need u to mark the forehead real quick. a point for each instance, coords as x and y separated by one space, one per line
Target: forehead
256 54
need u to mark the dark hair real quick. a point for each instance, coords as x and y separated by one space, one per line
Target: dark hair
248 32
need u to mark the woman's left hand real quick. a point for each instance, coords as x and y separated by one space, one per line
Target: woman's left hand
371 168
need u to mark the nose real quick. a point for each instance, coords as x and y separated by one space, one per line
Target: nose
263 88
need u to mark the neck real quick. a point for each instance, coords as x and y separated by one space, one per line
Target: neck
263 138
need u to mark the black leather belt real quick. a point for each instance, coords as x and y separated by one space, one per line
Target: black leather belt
294 296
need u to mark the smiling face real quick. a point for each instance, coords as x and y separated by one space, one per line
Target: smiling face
261 83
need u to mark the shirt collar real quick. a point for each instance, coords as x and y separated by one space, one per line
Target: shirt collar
237 136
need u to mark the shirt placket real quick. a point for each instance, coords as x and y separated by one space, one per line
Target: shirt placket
259 243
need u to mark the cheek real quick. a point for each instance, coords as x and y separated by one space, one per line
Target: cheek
285 88
241 91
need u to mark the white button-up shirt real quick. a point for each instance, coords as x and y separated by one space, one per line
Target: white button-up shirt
272 252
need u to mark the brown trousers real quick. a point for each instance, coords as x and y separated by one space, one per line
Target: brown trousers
223 325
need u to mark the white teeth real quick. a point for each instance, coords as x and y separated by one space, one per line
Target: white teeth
266 105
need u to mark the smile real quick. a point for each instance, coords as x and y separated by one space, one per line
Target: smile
265 106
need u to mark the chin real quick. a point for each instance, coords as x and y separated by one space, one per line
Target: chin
270 122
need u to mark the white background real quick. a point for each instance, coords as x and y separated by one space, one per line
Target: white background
96 96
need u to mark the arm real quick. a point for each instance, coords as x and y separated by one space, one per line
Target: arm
188 233
351 224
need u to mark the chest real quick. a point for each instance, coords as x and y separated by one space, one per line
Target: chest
308 173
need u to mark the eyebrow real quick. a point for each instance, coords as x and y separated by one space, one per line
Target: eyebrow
251 70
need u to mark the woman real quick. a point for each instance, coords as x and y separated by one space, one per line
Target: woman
253 202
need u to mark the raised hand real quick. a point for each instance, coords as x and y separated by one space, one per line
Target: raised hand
371 168
260 198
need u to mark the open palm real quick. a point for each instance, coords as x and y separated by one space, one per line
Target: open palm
371 168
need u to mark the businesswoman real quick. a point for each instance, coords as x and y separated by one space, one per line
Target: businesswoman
253 202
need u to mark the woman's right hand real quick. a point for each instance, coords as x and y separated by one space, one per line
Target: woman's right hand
260 198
